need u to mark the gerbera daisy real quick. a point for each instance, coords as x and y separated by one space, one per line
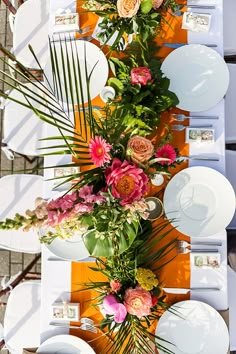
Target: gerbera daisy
99 149
166 152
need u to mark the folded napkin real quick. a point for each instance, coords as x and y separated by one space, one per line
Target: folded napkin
225 315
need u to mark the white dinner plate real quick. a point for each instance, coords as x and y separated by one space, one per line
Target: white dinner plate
65 344
97 67
198 76
71 249
199 201
193 328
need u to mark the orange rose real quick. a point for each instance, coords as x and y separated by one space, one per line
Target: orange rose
128 8
140 149
156 4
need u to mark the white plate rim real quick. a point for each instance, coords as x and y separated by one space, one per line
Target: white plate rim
225 196
66 338
224 333
191 51
100 72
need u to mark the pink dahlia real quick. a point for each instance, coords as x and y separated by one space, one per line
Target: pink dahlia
99 149
138 302
140 75
127 182
166 152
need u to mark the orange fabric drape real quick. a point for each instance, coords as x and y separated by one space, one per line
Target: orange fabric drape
177 272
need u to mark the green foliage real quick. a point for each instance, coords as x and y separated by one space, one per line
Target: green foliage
141 105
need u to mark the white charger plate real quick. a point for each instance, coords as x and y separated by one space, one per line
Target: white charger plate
71 249
97 67
65 344
199 201
198 76
193 328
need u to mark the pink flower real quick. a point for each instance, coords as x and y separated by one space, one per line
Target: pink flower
83 208
156 4
111 306
99 149
108 304
115 285
140 75
138 302
128 8
128 182
167 152
140 149
120 312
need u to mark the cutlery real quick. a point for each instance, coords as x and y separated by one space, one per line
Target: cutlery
185 244
199 158
84 326
199 6
178 45
87 320
183 250
182 117
180 127
185 290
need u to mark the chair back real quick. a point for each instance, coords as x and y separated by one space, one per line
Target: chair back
229 23
230 106
22 317
230 160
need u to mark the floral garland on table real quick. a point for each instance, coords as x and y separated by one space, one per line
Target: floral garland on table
131 299
107 212
122 18
142 93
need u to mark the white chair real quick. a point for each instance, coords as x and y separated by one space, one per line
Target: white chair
18 193
232 307
22 317
22 128
31 27
230 106
230 160
229 23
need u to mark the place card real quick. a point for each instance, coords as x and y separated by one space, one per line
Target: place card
196 22
65 171
65 21
67 311
205 260
201 135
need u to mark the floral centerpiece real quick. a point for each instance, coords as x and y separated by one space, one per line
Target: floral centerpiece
132 300
142 93
121 18
107 212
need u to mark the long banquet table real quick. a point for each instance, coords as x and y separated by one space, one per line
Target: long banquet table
60 278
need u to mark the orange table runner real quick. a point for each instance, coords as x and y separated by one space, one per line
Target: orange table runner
175 273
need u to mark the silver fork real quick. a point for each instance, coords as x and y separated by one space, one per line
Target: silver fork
185 244
179 127
182 117
87 320
184 250
83 326
199 158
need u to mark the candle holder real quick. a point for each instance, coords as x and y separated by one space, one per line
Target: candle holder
155 208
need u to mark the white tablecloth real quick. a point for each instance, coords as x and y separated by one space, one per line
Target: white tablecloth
53 289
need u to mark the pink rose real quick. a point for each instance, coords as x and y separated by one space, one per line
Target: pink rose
138 302
128 8
140 75
128 182
140 148
156 4
111 306
115 285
